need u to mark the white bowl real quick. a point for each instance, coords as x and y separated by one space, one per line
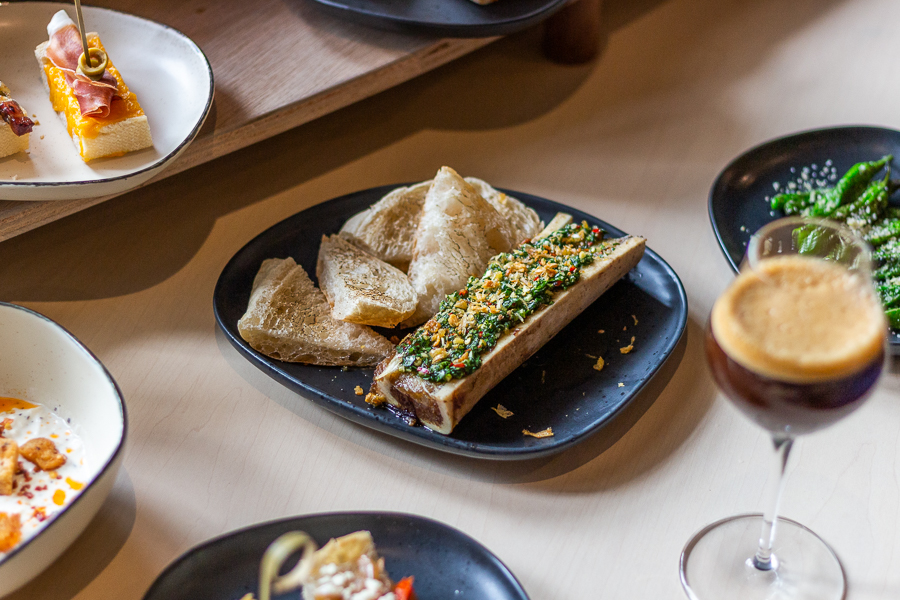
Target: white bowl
43 363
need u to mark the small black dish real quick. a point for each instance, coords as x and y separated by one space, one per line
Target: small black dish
447 18
738 204
557 387
445 562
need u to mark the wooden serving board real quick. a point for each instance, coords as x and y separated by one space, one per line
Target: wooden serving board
277 64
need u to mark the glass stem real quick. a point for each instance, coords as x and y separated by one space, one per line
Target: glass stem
764 560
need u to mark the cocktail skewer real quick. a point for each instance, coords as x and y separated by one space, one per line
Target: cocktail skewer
92 62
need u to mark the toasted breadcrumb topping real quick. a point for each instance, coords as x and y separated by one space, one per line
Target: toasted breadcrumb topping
540 434
502 411
514 286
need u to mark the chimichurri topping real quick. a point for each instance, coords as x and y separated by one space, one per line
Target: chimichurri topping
515 285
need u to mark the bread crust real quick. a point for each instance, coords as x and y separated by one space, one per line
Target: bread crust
10 143
289 319
361 288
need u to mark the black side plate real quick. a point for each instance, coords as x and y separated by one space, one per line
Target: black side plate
442 559
737 200
448 18
557 387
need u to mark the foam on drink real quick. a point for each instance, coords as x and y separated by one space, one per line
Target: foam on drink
799 319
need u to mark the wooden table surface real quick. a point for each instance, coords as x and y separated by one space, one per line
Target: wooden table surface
277 64
636 138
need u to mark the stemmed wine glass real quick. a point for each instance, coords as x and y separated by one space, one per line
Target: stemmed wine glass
797 342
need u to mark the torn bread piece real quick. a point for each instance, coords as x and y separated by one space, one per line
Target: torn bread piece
525 222
361 288
289 319
458 232
493 325
387 229
15 126
102 117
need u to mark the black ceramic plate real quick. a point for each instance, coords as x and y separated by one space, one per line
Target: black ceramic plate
445 562
453 18
738 204
557 387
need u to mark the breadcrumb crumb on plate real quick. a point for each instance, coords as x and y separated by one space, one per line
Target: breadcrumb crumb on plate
540 434
502 411
599 364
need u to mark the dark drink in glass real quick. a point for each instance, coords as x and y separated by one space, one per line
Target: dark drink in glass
796 342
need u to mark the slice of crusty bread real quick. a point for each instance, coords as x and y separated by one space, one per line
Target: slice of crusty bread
458 232
360 287
387 229
112 139
10 143
289 319
440 406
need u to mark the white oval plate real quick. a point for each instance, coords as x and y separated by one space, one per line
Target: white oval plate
165 69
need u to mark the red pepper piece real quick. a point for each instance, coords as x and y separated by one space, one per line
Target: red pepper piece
404 589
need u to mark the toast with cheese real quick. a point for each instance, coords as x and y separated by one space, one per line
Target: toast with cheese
289 319
360 287
125 129
15 126
406 379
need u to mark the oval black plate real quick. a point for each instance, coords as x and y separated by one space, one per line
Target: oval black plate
557 387
737 200
450 18
440 558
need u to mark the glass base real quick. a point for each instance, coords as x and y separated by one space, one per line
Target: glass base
718 562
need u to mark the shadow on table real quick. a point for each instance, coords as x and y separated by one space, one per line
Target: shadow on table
676 400
632 445
94 549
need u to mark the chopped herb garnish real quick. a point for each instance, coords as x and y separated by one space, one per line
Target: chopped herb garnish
515 285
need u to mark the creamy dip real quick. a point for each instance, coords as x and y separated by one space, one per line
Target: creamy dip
37 495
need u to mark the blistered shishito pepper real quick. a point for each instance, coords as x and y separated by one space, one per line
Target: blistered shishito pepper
883 231
849 188
889 294
780 201
868 207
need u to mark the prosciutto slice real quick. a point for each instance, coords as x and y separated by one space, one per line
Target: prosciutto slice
94 97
